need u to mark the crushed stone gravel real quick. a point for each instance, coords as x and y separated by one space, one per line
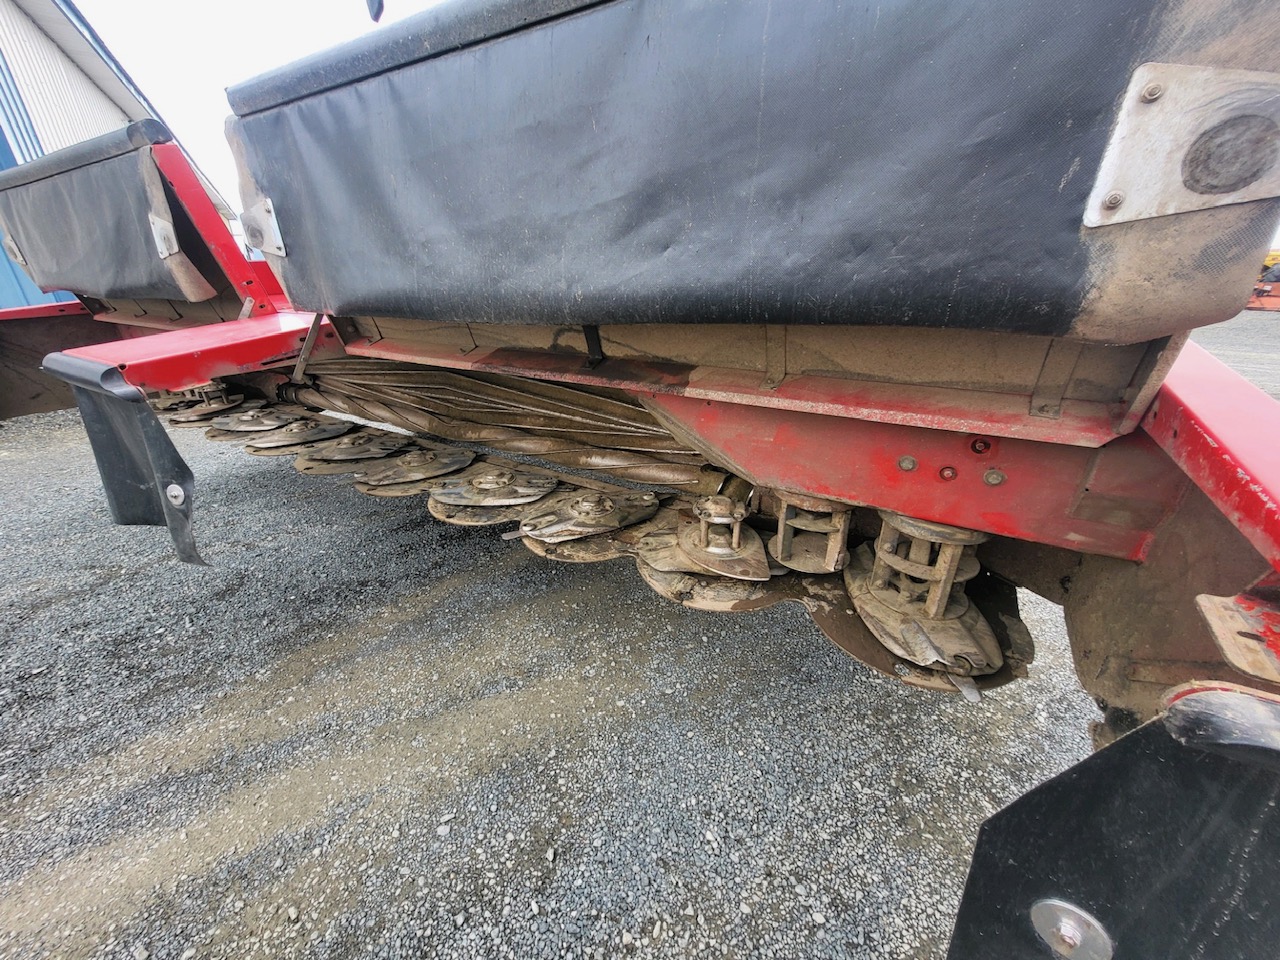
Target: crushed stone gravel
363 733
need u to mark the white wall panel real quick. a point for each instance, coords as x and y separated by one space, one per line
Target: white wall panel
65 106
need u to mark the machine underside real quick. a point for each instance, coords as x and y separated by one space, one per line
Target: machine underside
767 343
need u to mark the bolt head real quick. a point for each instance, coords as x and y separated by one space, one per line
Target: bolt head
1068 934
907 463
948 473
1152 92
175 494
593 505
493 480
980 445
1113 200
993 478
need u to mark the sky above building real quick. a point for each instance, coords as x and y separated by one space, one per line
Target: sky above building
185 53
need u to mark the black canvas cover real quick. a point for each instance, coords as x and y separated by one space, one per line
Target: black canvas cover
81 219
910 162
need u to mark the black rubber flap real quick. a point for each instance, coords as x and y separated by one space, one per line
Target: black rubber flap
145 478
918 162
88 223
139 134
442 29
1173 846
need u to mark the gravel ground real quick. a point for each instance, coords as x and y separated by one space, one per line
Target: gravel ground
365 733
1250 344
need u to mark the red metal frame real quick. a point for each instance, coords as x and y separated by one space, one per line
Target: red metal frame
185 359
1225 435
936 408
836 438
1107 501
42 311
253 279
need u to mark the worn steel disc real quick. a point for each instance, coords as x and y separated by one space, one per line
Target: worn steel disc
490 485
289 438
256 421
475 516
586 513
202 422
207 411
350 454
420 462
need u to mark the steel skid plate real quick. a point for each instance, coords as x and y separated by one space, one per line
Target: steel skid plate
1168 840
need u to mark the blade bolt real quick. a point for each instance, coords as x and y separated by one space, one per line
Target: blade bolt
907 463
948 473
1152 92
993 478
175 494
1113 200
980 445
1068 934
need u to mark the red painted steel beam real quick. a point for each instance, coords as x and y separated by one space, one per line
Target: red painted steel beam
1225 434
188 358
253 279
45 311
1107 501
1001 414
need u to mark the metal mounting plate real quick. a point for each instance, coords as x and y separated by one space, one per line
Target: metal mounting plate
165 238
1189 138
262 229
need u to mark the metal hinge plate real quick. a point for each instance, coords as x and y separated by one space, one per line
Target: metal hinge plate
1189 138
261 229
162 233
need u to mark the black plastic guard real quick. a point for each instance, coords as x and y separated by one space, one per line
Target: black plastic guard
1170 838
139 464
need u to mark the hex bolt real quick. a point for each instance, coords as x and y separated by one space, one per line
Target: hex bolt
175 494
1113 200
1070 932
993 477
1152 92
980 445
907 463
948 473
1069 936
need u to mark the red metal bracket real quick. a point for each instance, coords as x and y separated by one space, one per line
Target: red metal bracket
1107 501
1225 434
46 311
185 359
253 279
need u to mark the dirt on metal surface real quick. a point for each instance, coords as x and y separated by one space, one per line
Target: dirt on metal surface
365 733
